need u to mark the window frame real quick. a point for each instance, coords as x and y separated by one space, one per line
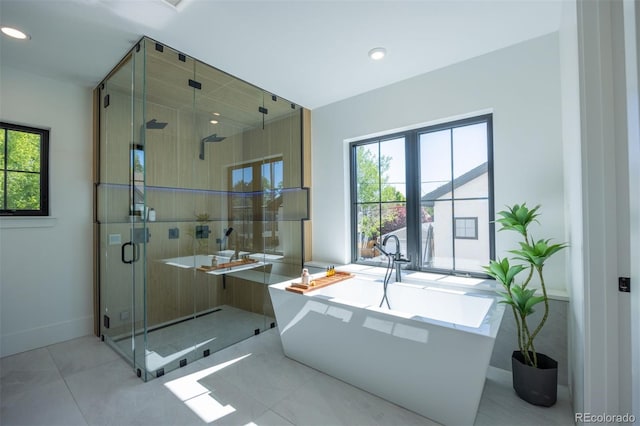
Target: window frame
413 196
264 207
465 218
44 170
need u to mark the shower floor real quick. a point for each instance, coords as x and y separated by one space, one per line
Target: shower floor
214 330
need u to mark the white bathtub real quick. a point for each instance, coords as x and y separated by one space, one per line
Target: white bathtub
429 353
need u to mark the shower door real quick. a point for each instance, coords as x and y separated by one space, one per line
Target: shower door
121 213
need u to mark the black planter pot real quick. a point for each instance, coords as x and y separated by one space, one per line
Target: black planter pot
537 386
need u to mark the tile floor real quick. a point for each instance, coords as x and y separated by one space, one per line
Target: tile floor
84 382
167 345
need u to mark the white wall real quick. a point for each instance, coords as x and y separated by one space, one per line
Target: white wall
46 286
520 84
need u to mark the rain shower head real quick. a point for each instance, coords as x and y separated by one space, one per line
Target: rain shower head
155 124
214 138
211 138
151 124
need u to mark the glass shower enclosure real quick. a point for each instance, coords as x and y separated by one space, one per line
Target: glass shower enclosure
200 205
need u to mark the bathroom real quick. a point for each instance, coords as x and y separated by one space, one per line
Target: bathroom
200 231
476 86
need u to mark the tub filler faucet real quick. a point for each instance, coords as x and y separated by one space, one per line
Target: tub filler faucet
397 258
394 260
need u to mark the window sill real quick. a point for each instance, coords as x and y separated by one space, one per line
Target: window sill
12 222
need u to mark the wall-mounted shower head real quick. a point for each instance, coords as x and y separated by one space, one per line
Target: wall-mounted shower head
151 124
211 138
214 138
155 124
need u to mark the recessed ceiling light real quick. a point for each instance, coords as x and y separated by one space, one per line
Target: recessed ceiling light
214 122
15 33
377 53
216 113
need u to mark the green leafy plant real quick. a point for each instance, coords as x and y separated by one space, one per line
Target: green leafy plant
530 257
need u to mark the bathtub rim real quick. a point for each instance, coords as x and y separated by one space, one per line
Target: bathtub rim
489 326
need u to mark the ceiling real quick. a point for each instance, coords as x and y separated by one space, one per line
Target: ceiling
312 53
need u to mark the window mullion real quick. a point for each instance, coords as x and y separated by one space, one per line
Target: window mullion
379 192
4 169
412 166
453 205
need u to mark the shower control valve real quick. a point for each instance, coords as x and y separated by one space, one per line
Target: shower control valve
202 231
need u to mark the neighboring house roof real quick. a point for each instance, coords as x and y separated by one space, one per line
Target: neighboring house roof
429 198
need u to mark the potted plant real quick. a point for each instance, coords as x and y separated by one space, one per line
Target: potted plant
535 375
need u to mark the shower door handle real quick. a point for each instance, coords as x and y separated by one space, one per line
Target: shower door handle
136 253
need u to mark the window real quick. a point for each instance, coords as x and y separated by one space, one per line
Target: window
24 188
136 173
466 228
256 202
430 187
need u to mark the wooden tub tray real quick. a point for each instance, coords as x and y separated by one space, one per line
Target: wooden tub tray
319 282
241 262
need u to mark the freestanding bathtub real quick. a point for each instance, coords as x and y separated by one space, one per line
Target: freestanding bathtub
428 353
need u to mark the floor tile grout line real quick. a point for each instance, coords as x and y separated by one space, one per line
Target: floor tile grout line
66 384
288 395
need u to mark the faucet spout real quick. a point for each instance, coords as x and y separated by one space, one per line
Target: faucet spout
397 255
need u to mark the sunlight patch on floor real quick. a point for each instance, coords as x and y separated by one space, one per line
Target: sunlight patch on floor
197 397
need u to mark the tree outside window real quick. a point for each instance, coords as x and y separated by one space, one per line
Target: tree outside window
380 188
23 170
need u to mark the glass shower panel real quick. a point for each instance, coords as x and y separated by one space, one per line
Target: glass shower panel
178 242
113 211
139 233
282 234
229 132
282 207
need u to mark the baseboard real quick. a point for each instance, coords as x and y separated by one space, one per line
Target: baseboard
46 335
